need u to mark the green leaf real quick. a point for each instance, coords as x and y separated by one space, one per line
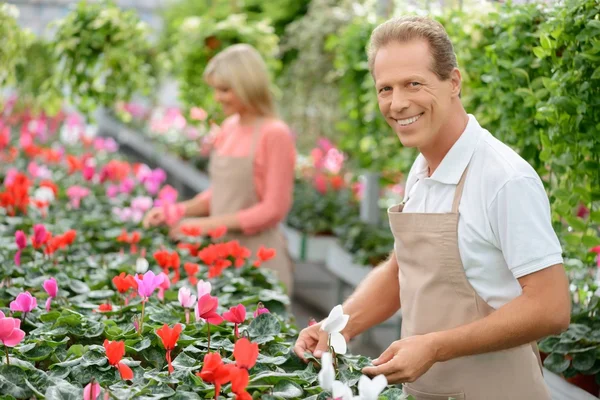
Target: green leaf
591 241
539 52
185 361
287 389
393 394
557 363
100 294
596 74
584 361
63 390
264 328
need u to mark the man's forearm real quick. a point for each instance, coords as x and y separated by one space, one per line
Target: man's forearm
527 318
375 300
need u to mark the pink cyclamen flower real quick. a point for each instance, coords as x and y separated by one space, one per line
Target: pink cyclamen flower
10 332
166 283
141 203
38 171
39 234
24 302
198 114
21 241
206 310
334 160
236 315
261 310
88 172
112 191
148 284
11 174
127 185
186 298
91 391
203 288
51 287
76 193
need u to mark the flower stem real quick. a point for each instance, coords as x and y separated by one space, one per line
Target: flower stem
208 336
7 359
142 319
236 333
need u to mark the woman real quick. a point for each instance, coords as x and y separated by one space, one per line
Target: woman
252 163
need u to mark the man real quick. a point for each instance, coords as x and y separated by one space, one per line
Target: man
477 267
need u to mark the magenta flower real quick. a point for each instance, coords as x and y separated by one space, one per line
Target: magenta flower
127 185
38 171
148 284
141 203
24 303
10 332
167 195
173 213
154 179
11 174
39 235
88 172
261 310
76 193
51 287
21 241
112 191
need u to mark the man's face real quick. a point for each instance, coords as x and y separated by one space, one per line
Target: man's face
413 100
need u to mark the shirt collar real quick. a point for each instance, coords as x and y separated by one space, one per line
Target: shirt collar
456 160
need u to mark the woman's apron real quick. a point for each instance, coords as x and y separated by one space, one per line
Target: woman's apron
435 295
232 185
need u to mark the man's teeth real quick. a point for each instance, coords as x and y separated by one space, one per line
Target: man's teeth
408 121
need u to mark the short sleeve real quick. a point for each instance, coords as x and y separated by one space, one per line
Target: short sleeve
520 220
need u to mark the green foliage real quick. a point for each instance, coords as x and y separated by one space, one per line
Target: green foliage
537 64
14 41
310 99
104 56
34 78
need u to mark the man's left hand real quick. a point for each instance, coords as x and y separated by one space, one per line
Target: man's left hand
405 360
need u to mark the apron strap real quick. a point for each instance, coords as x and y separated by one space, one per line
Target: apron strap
459 191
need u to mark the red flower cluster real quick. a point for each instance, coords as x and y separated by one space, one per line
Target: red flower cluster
123 283
169 337
216 372
16 195
132 240
168 260
216 256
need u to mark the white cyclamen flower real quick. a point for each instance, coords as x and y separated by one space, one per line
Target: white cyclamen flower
327 374
333 325
341 391
370 389
44 194
141 265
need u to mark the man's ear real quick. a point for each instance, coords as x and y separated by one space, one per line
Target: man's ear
456 81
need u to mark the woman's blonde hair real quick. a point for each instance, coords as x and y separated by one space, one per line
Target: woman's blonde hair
408 28
241 68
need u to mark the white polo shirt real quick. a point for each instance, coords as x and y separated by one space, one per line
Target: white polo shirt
504 229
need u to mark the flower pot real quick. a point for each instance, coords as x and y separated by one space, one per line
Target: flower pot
586 382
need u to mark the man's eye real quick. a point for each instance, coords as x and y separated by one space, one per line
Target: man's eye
415 84
384 89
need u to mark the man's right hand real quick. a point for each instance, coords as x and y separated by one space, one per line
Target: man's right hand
313 340
154 217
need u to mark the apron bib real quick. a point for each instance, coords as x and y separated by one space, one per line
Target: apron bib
232 184
436 295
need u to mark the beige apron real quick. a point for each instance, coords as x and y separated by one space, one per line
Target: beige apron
436 295
232 184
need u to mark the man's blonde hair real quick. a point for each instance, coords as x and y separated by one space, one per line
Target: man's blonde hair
241 69
405 29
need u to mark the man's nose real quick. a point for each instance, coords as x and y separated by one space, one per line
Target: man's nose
400 102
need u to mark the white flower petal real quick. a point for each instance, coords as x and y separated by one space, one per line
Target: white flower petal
338 342
336 321
327 374
341 391
370 389
141 265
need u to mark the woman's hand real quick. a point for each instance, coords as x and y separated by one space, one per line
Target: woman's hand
154 217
